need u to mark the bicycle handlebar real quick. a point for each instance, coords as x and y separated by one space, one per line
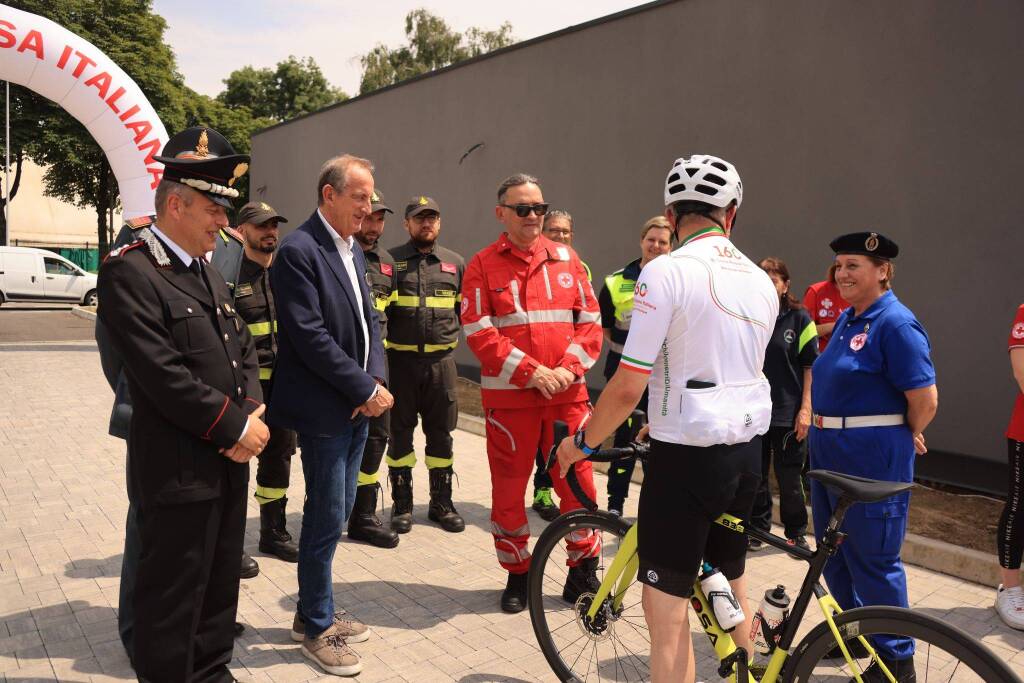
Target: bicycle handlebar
637 449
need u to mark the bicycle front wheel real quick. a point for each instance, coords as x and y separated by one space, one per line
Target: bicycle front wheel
616 645
942 652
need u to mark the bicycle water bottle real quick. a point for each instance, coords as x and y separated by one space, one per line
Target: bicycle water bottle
720 597
774 608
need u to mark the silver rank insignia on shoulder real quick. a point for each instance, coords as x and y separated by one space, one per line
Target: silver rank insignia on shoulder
156 249
120 249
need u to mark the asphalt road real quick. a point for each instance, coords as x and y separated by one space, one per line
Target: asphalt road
21 323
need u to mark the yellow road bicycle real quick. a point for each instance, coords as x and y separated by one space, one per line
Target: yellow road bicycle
602 635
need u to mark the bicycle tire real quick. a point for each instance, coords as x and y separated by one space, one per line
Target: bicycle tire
547 574
943 652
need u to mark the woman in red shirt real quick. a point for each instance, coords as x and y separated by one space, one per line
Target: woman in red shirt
1010 537
824 302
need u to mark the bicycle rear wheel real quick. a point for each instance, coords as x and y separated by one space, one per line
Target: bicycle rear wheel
617 645
943 652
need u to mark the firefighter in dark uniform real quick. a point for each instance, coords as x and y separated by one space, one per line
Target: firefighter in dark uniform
254 300
193 377
363 524
423 330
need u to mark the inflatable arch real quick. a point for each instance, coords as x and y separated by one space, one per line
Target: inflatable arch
59 65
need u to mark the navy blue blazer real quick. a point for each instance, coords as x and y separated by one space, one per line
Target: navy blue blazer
318 375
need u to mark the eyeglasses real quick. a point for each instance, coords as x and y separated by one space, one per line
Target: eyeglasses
560 233
523 210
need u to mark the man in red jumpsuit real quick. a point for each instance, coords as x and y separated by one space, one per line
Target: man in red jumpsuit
531 317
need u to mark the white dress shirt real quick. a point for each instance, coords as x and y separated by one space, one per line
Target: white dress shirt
344 245
182 255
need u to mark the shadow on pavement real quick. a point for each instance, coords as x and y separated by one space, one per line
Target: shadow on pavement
76 630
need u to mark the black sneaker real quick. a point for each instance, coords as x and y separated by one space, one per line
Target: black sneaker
544 505
753 545
513 598
799 542
857 651
902 669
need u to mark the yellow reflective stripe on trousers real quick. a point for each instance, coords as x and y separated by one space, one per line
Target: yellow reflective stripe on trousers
265 373
365 479
259 329
433 462
265 494
405 461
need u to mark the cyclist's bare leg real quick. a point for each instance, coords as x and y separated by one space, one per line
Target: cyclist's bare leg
671 647
1011 577
741 634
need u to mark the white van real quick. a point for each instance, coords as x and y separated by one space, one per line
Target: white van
28 274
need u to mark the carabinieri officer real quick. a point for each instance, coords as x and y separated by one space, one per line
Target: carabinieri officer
873 393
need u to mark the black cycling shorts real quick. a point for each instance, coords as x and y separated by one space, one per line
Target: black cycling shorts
685 489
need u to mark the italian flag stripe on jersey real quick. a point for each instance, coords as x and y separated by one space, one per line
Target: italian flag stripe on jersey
635 365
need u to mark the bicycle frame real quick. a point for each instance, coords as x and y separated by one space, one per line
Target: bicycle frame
624 567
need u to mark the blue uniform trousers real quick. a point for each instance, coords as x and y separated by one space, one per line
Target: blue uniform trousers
867 569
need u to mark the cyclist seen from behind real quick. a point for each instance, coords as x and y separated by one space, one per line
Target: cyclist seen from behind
702 318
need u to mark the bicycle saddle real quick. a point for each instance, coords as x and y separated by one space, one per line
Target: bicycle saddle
858 488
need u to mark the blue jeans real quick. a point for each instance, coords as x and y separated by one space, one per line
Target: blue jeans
330 465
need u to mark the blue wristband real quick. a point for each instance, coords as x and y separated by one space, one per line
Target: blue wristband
580 443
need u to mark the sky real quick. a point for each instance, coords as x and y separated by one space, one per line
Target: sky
213 38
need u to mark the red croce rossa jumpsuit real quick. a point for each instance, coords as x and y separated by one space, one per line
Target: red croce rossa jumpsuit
521 310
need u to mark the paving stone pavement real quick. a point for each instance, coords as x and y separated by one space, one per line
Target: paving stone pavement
432 602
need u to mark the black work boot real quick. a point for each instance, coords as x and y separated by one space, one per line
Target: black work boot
274 537
401 495
250 569
442 510
581 579
364 525
513 598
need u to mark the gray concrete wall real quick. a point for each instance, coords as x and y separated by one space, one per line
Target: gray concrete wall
899 117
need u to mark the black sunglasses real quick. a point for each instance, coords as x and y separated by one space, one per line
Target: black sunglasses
523 210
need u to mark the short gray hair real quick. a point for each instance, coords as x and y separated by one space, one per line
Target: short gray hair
515 180
558 213
334 172
166 188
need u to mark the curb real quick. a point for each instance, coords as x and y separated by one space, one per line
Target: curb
927 553
83 313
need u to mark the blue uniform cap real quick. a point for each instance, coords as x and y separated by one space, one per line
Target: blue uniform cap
867 244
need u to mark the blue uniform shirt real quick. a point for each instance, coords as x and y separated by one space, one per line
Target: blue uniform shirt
871 360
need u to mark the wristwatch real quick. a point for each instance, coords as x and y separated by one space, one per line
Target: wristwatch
579 441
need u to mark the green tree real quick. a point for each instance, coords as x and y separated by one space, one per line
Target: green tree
28 111
432 45
293 88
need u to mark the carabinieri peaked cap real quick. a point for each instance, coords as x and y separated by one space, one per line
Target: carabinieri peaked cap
867 244
203 159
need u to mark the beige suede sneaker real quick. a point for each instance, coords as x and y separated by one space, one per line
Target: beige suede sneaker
330 651
351 630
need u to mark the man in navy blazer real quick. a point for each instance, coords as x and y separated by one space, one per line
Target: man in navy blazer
328 379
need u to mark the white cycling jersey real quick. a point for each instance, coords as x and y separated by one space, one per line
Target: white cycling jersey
703 315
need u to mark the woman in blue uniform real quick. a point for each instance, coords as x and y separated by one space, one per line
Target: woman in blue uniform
873 393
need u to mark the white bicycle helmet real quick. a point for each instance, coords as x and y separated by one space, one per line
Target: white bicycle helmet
703 178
